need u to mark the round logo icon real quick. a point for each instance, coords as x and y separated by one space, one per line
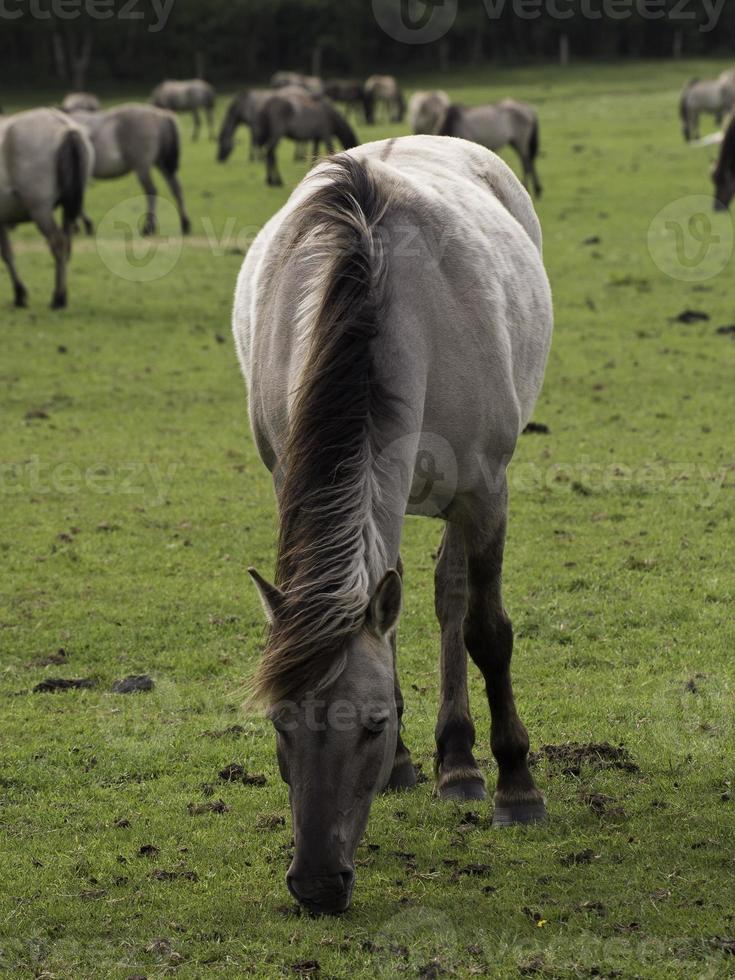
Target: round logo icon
418 474
689 241
130 255
415 21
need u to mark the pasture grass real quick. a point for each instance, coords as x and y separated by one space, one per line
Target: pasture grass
132 500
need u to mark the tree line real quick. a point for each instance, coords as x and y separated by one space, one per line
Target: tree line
78 43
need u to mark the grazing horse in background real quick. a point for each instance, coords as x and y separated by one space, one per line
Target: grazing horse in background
45 162
715 96
494 126
300 117
312 84
350 92
384 90
190 95
362 360
80 100
243 110
135 138
426 111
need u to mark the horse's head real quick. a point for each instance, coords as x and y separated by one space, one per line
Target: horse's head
335 751
723 177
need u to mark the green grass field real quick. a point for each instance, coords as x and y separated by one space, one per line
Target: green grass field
132 500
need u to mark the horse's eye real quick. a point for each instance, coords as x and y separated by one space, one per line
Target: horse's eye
376 723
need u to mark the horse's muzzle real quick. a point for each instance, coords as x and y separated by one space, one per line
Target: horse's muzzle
324 895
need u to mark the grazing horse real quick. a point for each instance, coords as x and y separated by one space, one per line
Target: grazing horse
494 126
45 161
384 90
284 79
368 368
300 117
80 100
715 96
193 94
426 111
243 110
135 138
350 92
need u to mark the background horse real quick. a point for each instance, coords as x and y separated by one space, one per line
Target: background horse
715 96
135 138
495 126
80 100
191 95
350 92
383 90
426 111
310 83
243 110
300 117
45 161
360 361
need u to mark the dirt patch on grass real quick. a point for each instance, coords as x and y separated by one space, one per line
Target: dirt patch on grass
571 756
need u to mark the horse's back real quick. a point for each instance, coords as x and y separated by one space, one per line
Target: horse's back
466 330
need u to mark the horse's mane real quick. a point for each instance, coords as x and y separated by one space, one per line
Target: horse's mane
329 497
726 159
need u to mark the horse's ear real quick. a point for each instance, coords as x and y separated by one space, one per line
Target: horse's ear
270 595
385 606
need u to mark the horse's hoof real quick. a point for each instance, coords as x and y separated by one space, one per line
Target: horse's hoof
507 815
149 228
465 789
59 301
185 226
403 776
21 299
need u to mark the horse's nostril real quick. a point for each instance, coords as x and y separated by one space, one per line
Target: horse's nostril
348 878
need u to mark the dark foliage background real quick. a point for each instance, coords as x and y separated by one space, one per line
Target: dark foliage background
85 42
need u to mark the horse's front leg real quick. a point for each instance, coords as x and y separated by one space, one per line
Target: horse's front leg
146 181
457 774
403 774
273 177
19 290
197 123
488 634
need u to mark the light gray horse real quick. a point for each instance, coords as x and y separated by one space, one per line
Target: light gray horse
495 126
135 138
80 100
300 117
190 95
384 90
311 83
715 96
426 111
45 162
384 381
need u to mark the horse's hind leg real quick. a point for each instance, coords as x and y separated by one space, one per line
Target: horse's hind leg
273 177
457 774
209 112
197 123
6 251
146 181
403 774
60 245
175 187
488 634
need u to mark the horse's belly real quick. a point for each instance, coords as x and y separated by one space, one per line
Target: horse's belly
109 164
